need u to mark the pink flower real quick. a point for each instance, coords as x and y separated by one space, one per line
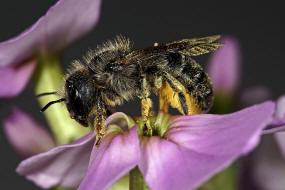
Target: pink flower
190 151
65 22
27 136
224 69
224 66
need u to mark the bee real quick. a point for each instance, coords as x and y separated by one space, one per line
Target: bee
114 73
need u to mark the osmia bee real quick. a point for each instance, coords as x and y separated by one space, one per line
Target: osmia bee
114 73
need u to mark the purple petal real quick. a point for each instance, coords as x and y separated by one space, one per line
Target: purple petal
66 21
121 120
163 164
280 138
280 112
116 156
267 166
278 122
65 165
20 130
199 146
15 78
224 66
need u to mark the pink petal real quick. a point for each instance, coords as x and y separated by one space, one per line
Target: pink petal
280 138
278 122
164 165
120 119
65 165
15 78
114 158
199 146
224 66
267 166
20 130
280 111
66 21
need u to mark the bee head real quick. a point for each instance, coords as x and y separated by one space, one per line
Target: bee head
80 95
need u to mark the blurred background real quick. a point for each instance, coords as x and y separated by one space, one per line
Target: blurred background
257 25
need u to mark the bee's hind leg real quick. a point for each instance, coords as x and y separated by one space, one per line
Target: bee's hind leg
170 95
179 98
164 94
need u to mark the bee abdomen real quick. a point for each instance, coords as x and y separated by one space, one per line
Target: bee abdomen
191 75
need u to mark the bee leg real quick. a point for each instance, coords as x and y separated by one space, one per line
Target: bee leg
146 104
183 103
170 95
99 129
109 112
99 120
163 97
182 100
160 87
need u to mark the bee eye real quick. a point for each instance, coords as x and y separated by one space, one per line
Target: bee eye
73 92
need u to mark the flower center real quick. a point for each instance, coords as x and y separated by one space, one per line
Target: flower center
159 124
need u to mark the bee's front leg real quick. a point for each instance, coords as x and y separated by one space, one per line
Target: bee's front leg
100 114
146 104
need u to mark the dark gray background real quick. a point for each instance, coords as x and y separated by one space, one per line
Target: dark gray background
259 26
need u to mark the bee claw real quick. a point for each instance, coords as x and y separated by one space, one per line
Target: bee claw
147 128
98 140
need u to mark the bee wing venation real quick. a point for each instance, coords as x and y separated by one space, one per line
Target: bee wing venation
195 46
195 41
201 49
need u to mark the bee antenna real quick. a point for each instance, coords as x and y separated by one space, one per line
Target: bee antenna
45 93
52 102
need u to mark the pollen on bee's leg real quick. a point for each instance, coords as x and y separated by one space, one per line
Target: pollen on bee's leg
163 105
146 105
164 94
193 108
99 137
99 129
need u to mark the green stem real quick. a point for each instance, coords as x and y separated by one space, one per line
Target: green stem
48 77
225 180
137 181
223 103
59 188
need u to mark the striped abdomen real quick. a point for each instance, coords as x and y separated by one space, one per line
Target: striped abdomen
193 86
